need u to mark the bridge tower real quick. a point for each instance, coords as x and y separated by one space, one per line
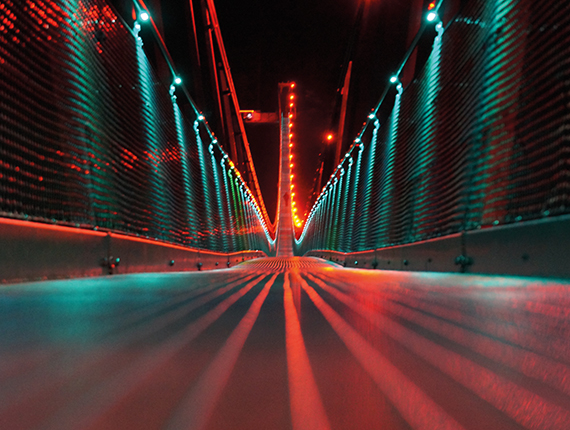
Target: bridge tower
285 233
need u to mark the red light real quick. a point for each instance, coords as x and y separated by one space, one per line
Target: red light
329 137
293 85
431 5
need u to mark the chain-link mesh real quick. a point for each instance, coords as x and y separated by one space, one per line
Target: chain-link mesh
90 138
480 138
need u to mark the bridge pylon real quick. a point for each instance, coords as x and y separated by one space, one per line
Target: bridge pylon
285 233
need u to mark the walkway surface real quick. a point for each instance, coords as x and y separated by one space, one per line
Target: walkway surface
285 343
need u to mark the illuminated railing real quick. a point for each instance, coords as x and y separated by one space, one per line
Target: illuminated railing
90 138
479 139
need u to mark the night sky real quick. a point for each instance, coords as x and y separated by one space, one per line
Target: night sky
307 42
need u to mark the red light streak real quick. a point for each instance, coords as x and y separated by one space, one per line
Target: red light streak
307 410
521 405
416 407
198 406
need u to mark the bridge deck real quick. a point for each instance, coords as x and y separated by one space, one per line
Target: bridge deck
285 343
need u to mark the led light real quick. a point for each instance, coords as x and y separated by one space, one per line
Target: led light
291 145
431 5
357 140
177 80
290 135
329 136
431 16
144 16
290 124
292 96
201 117
371 116
290 115
394 79
290 105
292 84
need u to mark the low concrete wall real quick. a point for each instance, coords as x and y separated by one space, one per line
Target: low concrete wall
532 248
31 251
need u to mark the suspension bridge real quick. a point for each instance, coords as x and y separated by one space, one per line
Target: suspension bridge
144 285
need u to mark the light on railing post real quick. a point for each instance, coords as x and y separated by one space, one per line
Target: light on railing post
394 79
177 80
144 16
432 14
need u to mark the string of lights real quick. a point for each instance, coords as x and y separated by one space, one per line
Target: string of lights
291 115
95 141
470 142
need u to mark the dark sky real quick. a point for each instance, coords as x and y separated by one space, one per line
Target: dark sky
305 41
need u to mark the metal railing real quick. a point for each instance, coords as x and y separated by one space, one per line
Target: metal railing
480 138
90 138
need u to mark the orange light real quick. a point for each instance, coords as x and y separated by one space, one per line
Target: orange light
292 96
329 136
291 145
290 115
290 135
292 84
291 165
291 105
431 5
290 124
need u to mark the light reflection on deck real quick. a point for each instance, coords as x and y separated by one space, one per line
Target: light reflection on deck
283 343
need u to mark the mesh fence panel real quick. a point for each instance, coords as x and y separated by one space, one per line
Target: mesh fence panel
90 138
480 138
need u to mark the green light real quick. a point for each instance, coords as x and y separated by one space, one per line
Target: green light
209 213
387 180
221 214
